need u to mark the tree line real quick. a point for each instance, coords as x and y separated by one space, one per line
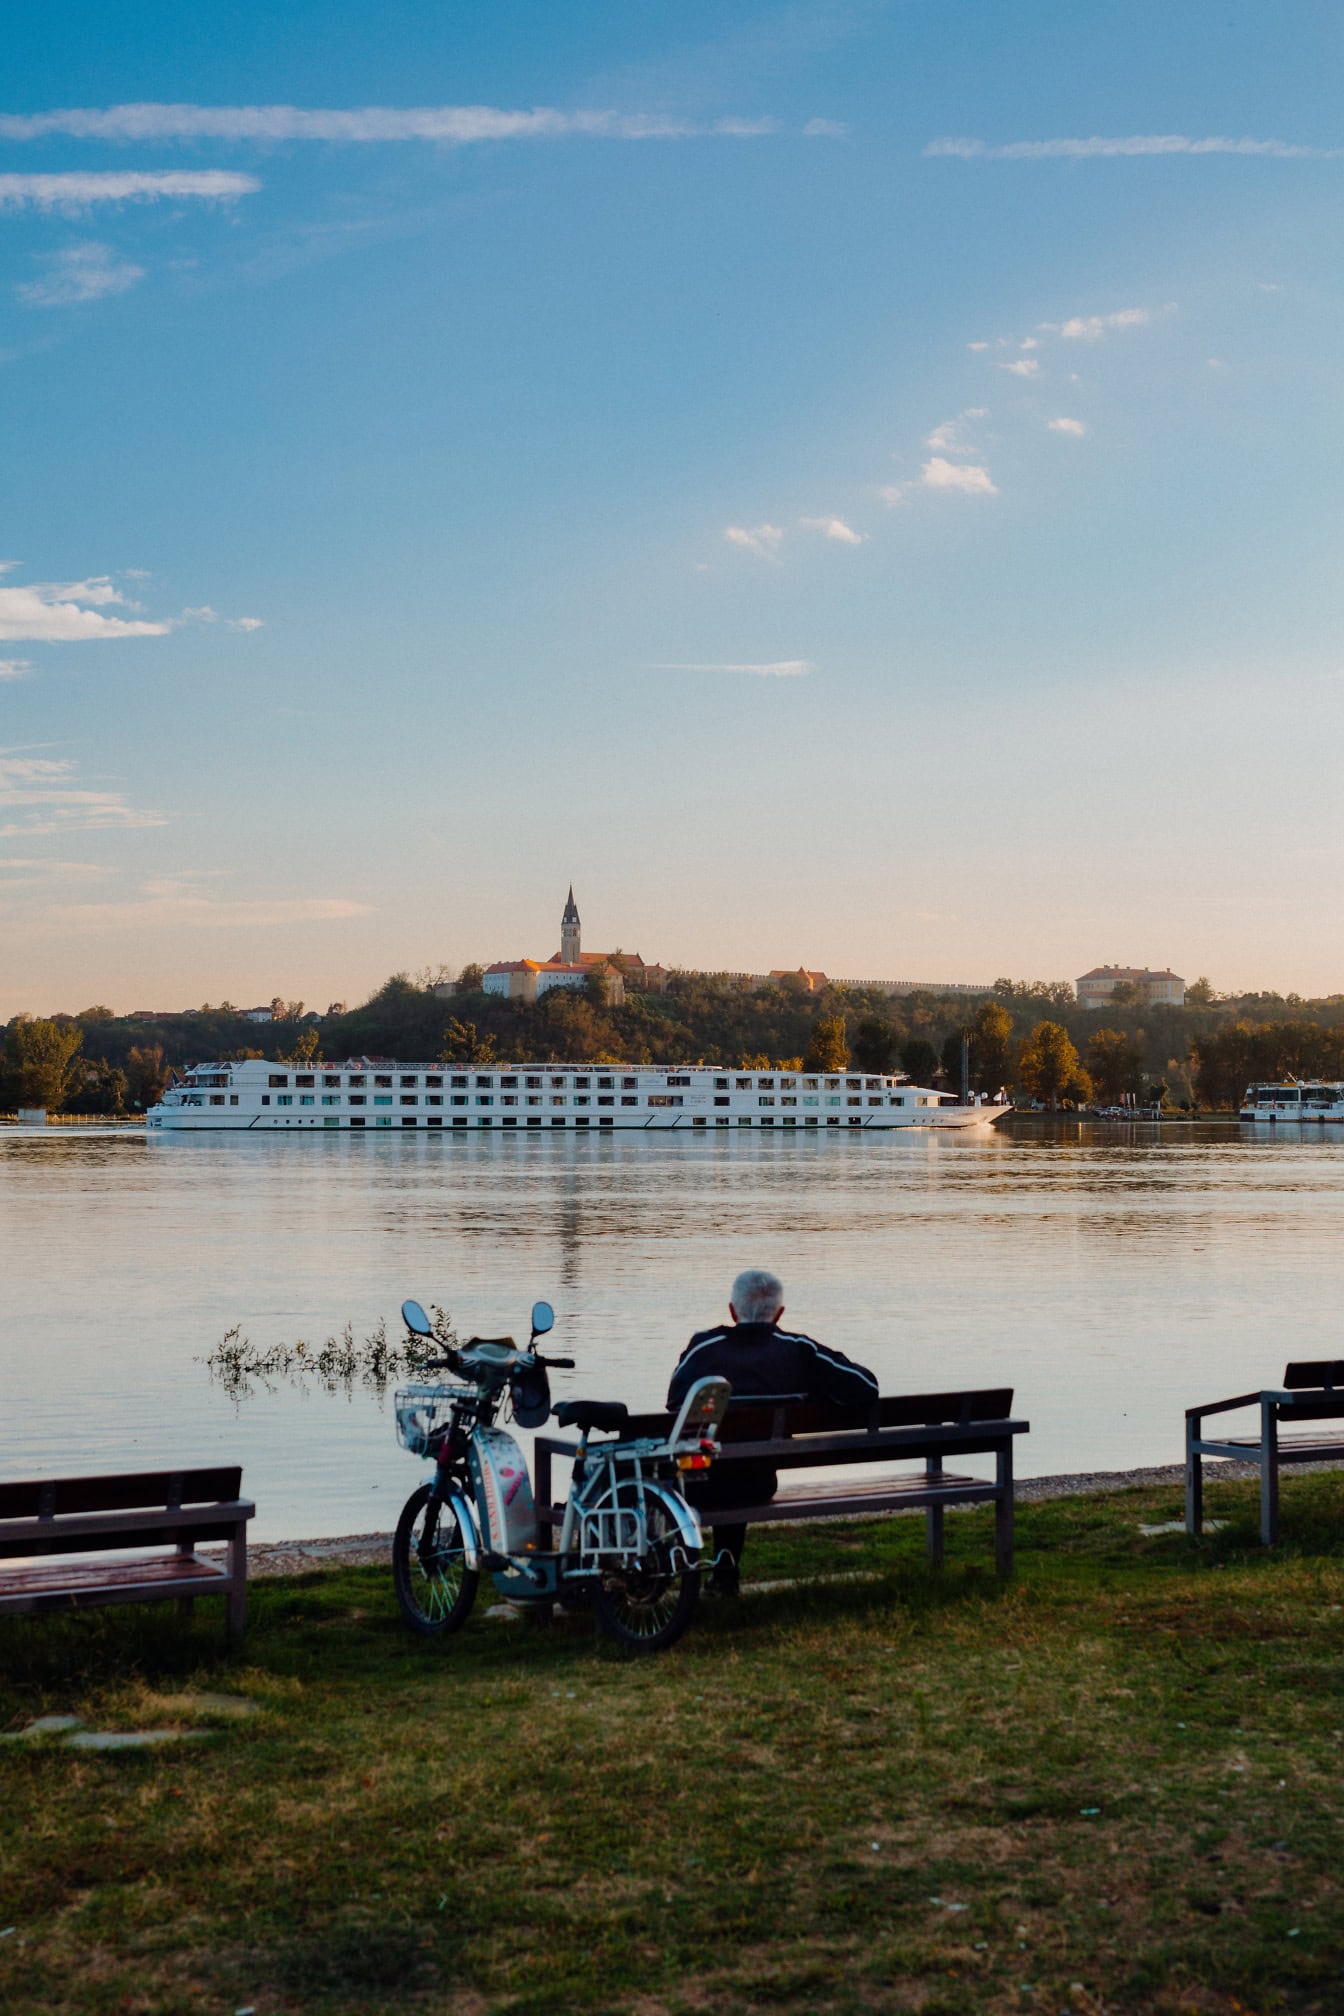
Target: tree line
1028 1037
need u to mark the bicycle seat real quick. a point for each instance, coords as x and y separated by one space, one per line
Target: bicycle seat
589 1414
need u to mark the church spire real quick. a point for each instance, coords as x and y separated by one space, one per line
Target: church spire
569 931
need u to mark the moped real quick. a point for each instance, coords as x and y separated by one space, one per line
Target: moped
628 1540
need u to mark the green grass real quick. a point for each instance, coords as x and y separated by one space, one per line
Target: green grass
1125 1767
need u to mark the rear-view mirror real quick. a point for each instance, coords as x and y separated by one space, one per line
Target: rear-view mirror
414 1317
543 1318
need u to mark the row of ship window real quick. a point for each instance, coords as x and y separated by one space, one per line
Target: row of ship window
507 1081
722 1120
556 1099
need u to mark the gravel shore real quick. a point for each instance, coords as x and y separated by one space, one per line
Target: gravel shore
363 1550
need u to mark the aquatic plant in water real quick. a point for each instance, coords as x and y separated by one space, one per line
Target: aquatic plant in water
240 1366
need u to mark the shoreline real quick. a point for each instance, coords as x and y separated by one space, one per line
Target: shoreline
267 1558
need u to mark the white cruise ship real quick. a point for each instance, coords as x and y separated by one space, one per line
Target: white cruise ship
1299 1099
365 1093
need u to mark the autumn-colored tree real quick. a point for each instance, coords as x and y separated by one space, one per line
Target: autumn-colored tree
464 1044
307 1047
992 1046
828 1049
146 1076
874 1046
1114 1065
757 1060
42 1059
1049 1068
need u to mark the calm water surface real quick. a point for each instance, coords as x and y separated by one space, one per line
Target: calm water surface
1112 1276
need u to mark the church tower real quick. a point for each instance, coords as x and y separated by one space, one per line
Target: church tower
569 931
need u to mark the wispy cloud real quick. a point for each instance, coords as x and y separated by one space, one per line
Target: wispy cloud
1066 426
826 129
26 872
949 436
205 614
1099 148
762 540
778 668
56 612
77 191
451 125
49 796
834 528
151 909
15 668
1090 328
968 477
79 273
1023 367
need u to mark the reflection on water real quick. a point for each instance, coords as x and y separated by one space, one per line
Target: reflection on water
1113 1276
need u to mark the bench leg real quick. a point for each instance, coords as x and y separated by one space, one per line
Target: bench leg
1194 1478
237 1597
185 1604
1269 1474
1003 1511
933 1518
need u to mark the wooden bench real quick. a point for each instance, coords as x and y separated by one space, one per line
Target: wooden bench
1313 1390
93 1515
794 1434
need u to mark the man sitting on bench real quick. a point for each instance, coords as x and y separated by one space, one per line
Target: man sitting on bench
760 1361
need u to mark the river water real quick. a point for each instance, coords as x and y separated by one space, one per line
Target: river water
1112 1275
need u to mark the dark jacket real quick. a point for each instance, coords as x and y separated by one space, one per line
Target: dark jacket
760 1361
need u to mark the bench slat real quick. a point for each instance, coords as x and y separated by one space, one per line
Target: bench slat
58 1496
90 1532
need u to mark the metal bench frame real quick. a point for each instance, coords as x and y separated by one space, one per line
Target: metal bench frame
792 1434
1312 1390
47 1517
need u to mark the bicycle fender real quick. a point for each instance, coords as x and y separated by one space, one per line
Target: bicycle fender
686 1518
468 1526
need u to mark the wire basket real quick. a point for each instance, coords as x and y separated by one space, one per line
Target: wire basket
422 1413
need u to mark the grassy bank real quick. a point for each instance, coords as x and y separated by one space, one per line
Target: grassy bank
1114 1786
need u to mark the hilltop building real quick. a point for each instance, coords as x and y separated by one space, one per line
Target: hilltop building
1097 988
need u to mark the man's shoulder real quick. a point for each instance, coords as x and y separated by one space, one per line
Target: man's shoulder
707 1336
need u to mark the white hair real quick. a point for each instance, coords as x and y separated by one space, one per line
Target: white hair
757 1296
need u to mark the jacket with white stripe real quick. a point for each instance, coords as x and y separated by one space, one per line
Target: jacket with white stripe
760 1361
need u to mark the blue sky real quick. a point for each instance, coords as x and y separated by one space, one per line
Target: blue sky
852 484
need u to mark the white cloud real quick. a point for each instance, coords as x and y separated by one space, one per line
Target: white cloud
949 436
762 540
78 191
977 346
1270 286
1022 367
245 623
1029 343
1135 144
205 614
195 912
54 612
834 528
1065 426
779 668
967 477
975 413
893 493
24 872
50 798
79 273
453 125
15 668
1089 328
825 129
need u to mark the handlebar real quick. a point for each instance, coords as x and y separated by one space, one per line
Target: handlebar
564 1364
451 1363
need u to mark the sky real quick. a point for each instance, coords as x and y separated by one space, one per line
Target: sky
850 483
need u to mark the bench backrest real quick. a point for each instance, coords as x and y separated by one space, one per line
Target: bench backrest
49 1498
1305 1374
781 1417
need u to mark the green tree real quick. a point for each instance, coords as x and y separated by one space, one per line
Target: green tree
90 1016
874 1046
828 1047
1113 1064
42 1058
597 985
919 1059
102 1089
1200 994
1049 1068
951 1056
146 1076
992 1046
471 980
463 1043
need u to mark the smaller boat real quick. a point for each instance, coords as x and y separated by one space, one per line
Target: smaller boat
1298 1099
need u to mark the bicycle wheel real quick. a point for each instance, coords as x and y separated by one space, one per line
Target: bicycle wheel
646 1605
434 1585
